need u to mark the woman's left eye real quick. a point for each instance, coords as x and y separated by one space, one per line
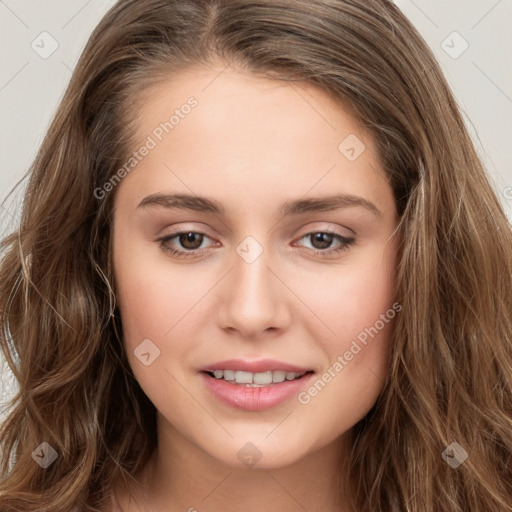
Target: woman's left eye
324 238
191 241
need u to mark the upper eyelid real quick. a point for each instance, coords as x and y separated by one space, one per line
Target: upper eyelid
352 234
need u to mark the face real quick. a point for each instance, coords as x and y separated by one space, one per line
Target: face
252 240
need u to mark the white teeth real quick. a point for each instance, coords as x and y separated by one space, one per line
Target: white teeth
278 376
262 378
256 379
243 377
228 374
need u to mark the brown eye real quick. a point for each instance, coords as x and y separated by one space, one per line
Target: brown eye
190 240
189 243
321 242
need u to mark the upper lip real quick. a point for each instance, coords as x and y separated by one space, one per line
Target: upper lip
260 366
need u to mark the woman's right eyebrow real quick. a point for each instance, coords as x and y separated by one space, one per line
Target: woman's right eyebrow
295 207
183 202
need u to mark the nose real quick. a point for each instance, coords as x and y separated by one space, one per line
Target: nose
253 298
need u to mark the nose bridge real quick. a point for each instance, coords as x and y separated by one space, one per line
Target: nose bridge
251 300
251 272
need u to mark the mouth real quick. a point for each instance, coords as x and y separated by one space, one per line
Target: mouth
256 385
256 380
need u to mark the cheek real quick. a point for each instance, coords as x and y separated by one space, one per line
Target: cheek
154 302
152 296
361 314
351 300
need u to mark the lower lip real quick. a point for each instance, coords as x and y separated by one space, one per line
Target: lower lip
250 398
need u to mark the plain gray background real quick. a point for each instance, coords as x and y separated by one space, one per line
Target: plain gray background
471 39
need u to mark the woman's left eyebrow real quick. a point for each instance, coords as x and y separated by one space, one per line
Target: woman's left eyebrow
295 207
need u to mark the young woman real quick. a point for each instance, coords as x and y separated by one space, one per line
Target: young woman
259 267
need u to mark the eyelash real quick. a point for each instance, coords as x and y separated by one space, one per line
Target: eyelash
345 244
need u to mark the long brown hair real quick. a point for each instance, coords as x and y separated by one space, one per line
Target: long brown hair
450 376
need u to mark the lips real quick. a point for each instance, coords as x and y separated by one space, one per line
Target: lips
254 385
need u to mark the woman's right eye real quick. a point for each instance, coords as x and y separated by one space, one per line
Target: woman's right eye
187 239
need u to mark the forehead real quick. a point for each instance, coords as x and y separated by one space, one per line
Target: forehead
230 98
218 129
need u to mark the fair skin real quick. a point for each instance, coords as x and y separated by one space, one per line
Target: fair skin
252 144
